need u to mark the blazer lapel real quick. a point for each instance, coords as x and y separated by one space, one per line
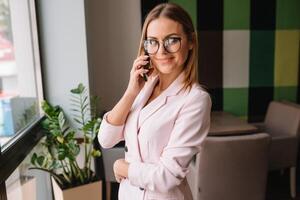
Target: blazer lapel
144 96
159 101
146 93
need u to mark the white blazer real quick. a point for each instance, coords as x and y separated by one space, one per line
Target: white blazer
161 140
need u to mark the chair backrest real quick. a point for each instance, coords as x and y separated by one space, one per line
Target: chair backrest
109 157
282 118
233 167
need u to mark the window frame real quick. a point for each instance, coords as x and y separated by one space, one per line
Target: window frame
21 146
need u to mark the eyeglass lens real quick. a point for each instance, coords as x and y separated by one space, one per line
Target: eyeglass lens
171 45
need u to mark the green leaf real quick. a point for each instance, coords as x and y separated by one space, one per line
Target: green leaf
96 153
85 99
60 139
75 110
88 126
33 158
65 130
96 128
40 160
55 165
76 150
56 133
70 135
85 106
61 120
97 125
78 121
54 125
45 124
75 101
50 111
80 88
61 154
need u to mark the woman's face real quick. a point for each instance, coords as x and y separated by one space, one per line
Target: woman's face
163 61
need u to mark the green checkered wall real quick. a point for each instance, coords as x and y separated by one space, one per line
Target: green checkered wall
248 51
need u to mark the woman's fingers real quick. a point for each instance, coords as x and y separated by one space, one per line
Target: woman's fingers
115 169
119 178
140 58
141 71
140 64
135 82
140 61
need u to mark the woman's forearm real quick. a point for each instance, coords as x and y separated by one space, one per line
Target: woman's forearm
119 113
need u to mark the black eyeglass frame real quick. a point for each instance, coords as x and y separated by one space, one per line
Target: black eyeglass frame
163 41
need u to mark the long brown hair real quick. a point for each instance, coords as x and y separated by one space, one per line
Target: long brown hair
176 13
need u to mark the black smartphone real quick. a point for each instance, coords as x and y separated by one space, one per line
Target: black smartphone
147 66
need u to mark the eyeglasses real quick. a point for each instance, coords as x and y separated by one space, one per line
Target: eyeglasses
171 45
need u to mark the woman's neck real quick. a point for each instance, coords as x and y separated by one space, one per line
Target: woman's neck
165 80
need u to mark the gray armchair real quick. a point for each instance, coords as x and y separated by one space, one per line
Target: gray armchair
231 168
282 124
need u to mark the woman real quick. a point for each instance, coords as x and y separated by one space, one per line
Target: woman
163 120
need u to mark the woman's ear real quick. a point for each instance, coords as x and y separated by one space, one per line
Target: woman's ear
193 41
191 45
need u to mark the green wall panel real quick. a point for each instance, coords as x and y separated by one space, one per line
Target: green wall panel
261 58
286 93
236 14
236 101
190 6
288 14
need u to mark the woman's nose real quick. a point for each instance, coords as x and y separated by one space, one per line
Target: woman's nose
161 49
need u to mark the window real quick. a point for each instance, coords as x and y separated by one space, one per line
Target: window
20 77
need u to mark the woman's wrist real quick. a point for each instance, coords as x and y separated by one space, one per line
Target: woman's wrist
130 95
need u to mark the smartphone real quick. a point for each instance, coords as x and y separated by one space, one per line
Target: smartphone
147 66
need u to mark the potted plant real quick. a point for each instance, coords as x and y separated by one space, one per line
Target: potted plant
61 148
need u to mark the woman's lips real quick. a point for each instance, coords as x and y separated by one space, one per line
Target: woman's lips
163 60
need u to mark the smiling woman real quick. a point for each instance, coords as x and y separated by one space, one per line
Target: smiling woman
164 118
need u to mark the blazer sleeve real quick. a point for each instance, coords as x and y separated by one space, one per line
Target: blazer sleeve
109 135
190 129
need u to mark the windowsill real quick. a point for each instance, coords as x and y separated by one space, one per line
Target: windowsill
11 140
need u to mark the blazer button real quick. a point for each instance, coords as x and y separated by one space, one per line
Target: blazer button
126 149
141 188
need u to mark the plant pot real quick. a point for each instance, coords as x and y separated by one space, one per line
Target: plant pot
92 190
29 188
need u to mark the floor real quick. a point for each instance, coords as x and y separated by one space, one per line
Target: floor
277 188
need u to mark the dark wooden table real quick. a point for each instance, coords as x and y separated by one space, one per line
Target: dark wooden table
226 124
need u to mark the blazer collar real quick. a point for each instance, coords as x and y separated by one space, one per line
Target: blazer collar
173 89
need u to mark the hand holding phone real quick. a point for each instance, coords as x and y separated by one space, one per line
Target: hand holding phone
147 66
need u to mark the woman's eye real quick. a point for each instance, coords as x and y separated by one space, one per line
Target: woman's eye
172 40
152 42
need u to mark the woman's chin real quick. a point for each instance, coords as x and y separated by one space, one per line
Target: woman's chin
165 69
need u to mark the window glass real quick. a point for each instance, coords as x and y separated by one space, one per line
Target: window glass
19 68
